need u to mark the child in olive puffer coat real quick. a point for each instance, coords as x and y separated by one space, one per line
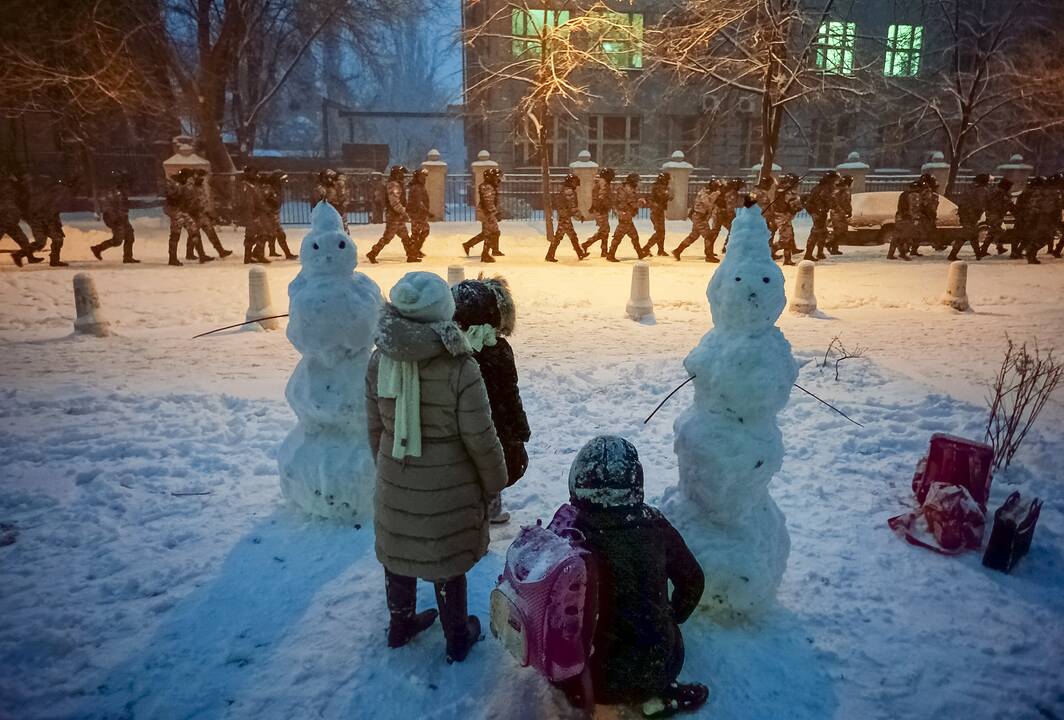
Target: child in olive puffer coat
484 310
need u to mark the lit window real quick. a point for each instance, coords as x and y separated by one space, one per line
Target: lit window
620 36
535 25
904 43
834 47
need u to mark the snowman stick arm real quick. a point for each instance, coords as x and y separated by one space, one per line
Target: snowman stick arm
247 322
840 412
662 403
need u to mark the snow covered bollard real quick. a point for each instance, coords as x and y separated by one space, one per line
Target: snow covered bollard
804 299
455 274
89 318
260 304
957 287
728 442
325 463
640 306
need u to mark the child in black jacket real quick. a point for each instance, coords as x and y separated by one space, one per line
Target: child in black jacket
638 648
484 309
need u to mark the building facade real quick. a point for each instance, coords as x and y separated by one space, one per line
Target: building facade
638 125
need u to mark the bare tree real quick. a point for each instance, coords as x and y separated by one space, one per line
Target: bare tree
996 78
781 51
547 51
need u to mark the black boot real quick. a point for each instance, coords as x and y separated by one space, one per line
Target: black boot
404 621
677 698
461 630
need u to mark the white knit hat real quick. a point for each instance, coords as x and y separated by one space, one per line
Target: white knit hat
423 297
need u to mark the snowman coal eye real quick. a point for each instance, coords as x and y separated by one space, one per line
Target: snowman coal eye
738 279
344 244
315 246
764 280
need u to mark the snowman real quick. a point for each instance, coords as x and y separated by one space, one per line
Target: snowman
728 443
325 462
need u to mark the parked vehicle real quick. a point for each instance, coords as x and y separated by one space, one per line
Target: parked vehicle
872 221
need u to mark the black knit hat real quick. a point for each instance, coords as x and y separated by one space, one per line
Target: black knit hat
607 473
485 301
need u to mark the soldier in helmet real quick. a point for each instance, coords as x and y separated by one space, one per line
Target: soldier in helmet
927 227
253 207
395 218
970 208
728 202
198 205
567 207
780 216
1025 213
43 201
906 218
116 218
703 210
818 205
841 211
601 204
271 189
998 205
660 197
488 214
10 214
627 204
1057 184
1040 223
331 190
417 206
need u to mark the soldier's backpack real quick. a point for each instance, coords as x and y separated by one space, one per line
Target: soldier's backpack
544 607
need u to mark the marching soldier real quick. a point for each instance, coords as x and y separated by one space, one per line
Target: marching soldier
1042 224
601 204
567 207
417 207
704 208
818 205
272 193
43 217
395 218
998 205
488 214
254 211
199 208
970 207
628 203
727 203
10 214
331 190
841 211
660 197
905 222
1025 215
927 227
780 216
1057 183
116 218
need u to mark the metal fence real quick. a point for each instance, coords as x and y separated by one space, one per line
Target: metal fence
364 191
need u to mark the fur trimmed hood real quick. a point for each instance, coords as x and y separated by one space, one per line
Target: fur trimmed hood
401 338
485 301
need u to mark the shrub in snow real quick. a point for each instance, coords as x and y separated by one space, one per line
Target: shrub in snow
728 443
325 462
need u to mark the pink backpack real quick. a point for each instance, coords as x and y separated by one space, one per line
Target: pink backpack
544 607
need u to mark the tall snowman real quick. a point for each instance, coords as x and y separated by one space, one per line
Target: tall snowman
728 442
325 462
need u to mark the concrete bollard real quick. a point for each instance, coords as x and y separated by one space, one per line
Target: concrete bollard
639 303
804 300
260 304
957 287
455 274
89 318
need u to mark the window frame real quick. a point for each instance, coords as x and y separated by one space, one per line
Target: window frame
525 44
598 145
835 47
903 60
632 56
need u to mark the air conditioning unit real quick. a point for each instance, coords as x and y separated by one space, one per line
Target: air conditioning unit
710 103
747 104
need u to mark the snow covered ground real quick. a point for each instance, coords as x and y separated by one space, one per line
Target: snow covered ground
155 571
